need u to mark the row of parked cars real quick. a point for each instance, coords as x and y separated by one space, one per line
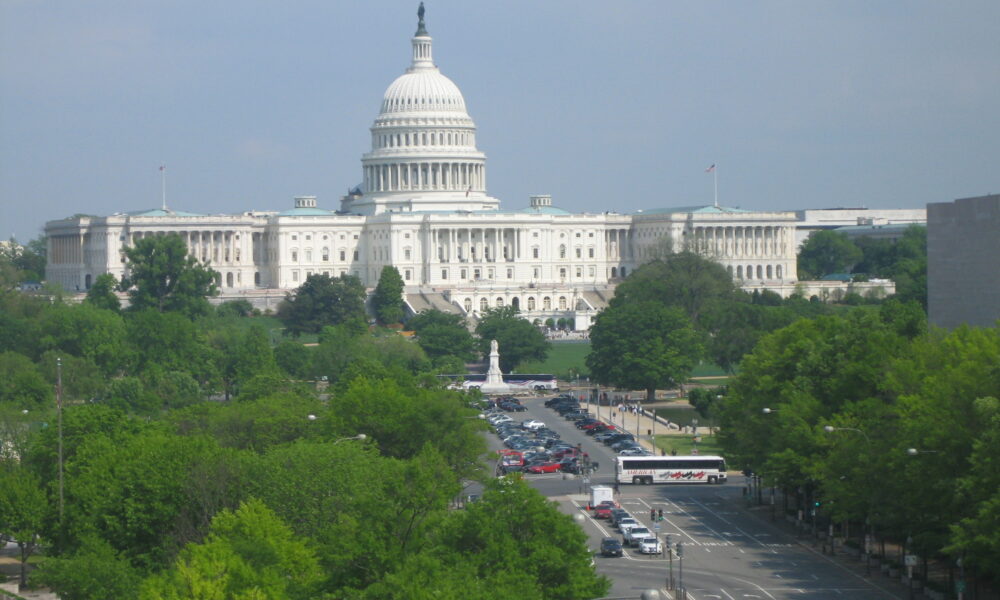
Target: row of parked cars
634 534
617 439
531 447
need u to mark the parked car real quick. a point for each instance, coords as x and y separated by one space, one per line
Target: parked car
611 547
532 424
544 467
650 545
618 514
603 510
626 523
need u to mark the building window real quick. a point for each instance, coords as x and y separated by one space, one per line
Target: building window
467 304
294 237
326 255
476 273
295 256
531 303
343 255
309 255
406 274
510 273
579 272
295 275
579 253
483 304
562 251
355 255
499 302
577 234
534 252
463 274
590 252
444 274
406 254
562 302
562 273
591 271
546 303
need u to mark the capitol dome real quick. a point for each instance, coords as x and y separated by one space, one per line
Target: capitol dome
423 90
423 145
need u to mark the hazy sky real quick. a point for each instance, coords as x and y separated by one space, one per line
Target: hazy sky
605 105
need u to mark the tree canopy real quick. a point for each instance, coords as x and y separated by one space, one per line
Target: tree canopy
161 275
387 299
825 252
643 345
323 301
443 335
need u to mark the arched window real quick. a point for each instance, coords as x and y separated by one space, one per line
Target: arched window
729 270
562 251
534 252
739 272
624 273
546 303
483 304
531 303
499 302
614 272
326 255
467 303
562 302
779 272
760 272
770 272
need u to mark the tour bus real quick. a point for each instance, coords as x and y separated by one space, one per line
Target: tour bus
670 469
517 381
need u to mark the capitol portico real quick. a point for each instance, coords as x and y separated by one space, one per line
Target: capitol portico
422 206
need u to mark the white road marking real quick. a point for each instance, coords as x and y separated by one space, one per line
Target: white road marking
727 594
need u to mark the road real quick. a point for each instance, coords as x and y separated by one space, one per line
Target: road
729 551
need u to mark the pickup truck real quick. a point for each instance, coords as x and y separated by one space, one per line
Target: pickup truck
634 534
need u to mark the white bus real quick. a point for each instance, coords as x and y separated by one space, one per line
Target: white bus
670 469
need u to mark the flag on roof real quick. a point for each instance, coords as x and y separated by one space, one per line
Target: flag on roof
710 169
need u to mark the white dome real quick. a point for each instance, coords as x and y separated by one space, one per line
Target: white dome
421 90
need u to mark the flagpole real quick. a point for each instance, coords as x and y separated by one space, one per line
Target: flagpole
163 186
715 178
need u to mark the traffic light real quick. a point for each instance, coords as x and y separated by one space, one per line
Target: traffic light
661 514
818 503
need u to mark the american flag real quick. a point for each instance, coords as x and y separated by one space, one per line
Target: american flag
163 167
710 169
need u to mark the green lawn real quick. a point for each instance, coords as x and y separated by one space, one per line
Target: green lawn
563 357
683 444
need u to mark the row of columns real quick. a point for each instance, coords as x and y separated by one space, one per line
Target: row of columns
619 243
731 242
424 139
65 249
397 177
217 247
492 244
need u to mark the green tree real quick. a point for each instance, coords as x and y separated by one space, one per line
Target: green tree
94 572
23 507
324 301
685 280
87 331
102 293
171 342
164 277
21 384
24 263
387 300
234 308
249 553
643 345
518 340
826 252
294 359
443 335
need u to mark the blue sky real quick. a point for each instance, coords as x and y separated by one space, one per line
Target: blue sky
606 106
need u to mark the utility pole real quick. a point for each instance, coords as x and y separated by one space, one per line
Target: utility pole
60 433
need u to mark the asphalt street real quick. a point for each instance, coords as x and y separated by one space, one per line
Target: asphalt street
730 552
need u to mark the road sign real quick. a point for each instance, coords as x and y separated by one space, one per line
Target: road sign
910 560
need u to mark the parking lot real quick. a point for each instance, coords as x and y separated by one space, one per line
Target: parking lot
728 550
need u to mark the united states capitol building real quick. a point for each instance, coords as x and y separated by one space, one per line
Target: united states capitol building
423 207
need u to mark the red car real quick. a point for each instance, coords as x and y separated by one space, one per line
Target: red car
592 425
549 467
603 511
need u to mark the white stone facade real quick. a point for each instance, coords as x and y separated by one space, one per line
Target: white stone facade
423 208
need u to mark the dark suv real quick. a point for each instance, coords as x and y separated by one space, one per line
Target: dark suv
611 547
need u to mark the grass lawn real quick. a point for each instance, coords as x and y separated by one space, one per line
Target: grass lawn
563 357
682 444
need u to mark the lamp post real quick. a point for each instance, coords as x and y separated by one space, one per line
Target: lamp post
359 437
909 560
868 441
680 569
768 411
670 557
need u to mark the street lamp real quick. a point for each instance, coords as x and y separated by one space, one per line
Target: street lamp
914 451
680 569
831 429
360 437
768 411
670 557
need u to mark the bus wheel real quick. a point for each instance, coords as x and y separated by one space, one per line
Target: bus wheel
636 480
649 480
713 479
